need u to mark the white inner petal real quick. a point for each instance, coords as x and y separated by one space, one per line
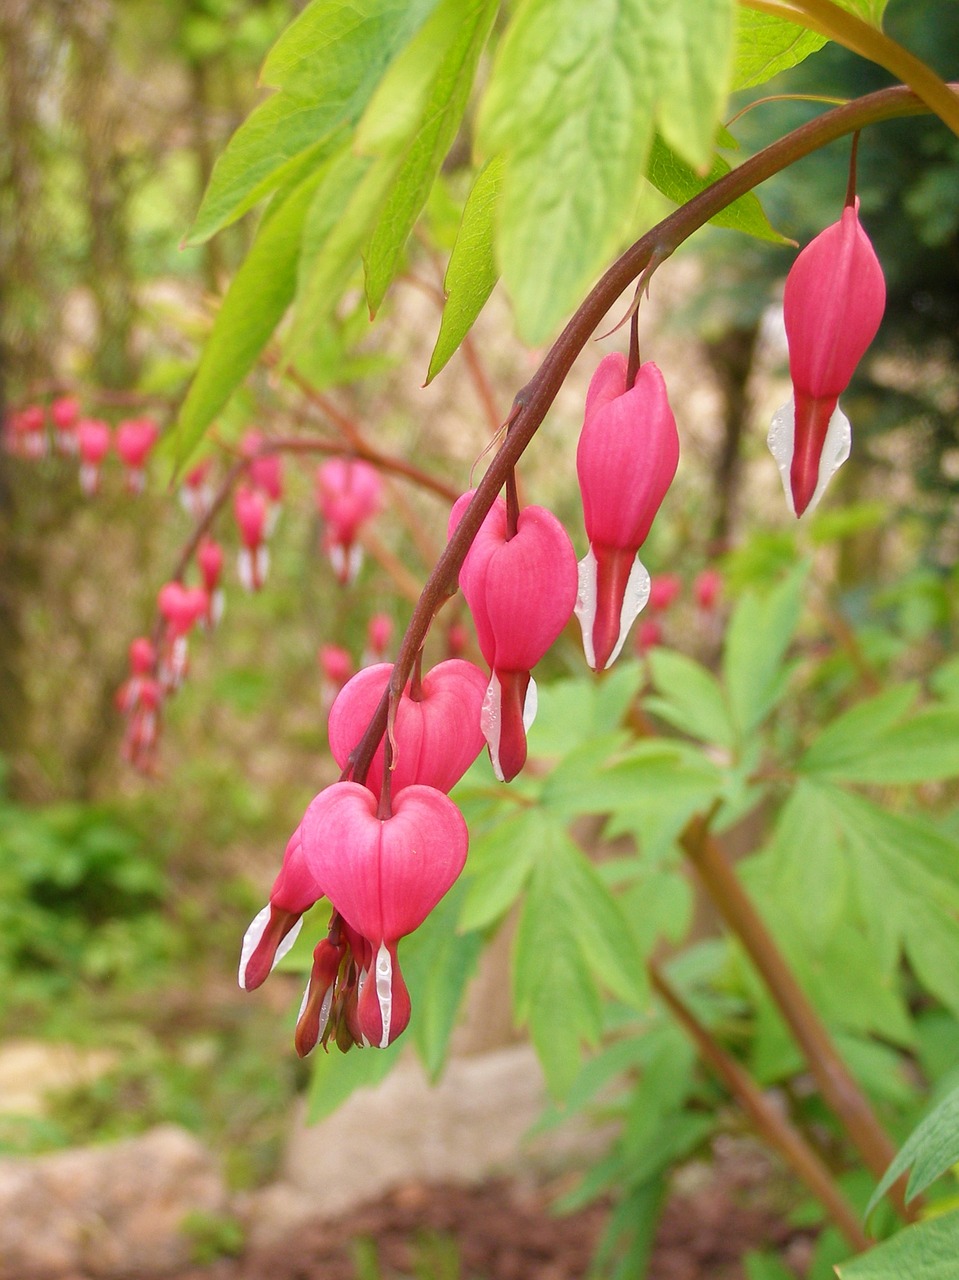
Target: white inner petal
252 937
635 599
836 449
384 991
251 940
530 705
585 607
491 722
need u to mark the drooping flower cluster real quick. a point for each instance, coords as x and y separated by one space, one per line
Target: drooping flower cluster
33 432
833 305
382 861
348 493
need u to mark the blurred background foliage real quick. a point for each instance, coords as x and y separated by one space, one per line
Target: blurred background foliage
121 901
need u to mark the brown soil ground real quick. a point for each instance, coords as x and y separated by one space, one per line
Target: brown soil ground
507 1231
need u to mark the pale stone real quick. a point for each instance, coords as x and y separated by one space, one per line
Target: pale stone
114 1211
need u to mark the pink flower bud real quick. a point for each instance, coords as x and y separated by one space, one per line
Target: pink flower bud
266 469
663 590
29 435
250 509
348 493
649 633
707 589
626 459
93 445
833 304
521 592
436 736
135 439
196 492
142 655
379 633
209 557
336 665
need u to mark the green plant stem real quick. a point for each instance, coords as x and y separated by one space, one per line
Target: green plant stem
837 1086
534 400
770 1122
854 33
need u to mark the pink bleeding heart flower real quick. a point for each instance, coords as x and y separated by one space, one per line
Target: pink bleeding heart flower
273 931
379 633
707 589
336 666
250 510
65 412
664 590
649 634
626 459
521 592
181 608
209 558
196 492
143 727
348 493
834 300
142 658
135 439
384 876
436 733
93 445
29 432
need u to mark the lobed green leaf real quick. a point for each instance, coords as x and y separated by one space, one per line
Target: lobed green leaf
444 55
572 101
326 64
766 45
259 294
471 273
930 1151
679 182
926 1251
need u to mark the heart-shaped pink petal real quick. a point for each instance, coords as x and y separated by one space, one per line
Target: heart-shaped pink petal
436 738
384 876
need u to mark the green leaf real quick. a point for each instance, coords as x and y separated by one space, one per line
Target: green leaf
765 1266
930 1150
691 699
327 64
679 182
258 296
766 45
552 988
809 862
926 1251
445 53
337 224
923 749
336 1075
438 963
471 273
500 862
758 636
851 734
932 945
572 102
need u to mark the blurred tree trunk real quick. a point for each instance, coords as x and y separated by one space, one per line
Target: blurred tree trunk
731 359
97 108
25 335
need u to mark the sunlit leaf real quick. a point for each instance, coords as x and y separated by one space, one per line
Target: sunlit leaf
471 273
